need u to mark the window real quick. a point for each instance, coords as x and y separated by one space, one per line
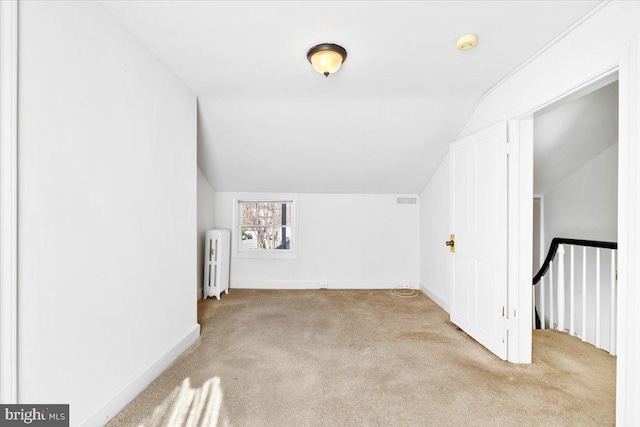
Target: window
265 228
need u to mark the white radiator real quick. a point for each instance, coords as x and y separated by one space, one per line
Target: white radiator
216 263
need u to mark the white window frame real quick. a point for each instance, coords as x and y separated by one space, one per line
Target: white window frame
265 253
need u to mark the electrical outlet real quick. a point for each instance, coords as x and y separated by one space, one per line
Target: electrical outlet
324 285
405 286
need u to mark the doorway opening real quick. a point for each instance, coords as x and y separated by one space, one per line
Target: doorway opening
575 227
576 183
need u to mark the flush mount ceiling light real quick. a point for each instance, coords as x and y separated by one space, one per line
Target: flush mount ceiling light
326 58
467 41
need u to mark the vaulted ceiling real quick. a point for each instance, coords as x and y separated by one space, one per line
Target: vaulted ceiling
269 122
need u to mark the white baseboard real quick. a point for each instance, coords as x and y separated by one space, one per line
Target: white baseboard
435 298
200 292
127 394
291 284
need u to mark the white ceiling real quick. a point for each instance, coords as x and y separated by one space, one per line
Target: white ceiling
571 135
269 122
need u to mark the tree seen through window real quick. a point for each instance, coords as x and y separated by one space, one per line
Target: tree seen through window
265 225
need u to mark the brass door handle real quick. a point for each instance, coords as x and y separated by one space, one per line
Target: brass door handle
451 243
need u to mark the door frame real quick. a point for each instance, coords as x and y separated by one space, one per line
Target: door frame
8 201
624 60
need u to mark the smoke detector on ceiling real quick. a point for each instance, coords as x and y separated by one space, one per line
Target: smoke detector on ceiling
467 41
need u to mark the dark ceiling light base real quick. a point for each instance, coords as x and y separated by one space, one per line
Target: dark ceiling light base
334 56
327 46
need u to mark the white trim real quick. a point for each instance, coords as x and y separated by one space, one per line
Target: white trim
624 59
582 83
607 77
140 382
291 253
520 237
312 284
433 297
8 201
628 319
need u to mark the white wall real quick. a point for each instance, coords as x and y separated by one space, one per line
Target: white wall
435 257
585 206
608 37
572 134
206 198
107 211
346 240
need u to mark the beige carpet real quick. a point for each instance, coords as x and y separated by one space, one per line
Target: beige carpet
352 358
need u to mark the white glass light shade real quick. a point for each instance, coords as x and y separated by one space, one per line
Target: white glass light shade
326 62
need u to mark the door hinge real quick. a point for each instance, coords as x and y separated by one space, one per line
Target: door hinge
507 148
505 318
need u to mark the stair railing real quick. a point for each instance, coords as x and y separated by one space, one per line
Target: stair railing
557 296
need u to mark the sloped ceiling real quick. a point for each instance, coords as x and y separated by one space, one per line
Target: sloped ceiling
269 122
568 137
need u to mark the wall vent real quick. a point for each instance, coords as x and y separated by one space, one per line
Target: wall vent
407 200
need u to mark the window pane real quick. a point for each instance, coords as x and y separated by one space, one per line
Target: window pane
265 225
265 213
256 238
249 238
282 214
248 213
273 213
282 237
265 238
277 213
288 214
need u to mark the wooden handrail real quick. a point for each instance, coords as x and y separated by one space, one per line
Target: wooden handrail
559 241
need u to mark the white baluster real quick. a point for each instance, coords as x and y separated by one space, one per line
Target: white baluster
543 320
572 311
584 293
598 298
561 288
613 329
551 322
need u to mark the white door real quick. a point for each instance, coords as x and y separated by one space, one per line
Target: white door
479 224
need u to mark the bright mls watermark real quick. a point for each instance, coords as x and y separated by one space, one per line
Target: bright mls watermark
34 415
